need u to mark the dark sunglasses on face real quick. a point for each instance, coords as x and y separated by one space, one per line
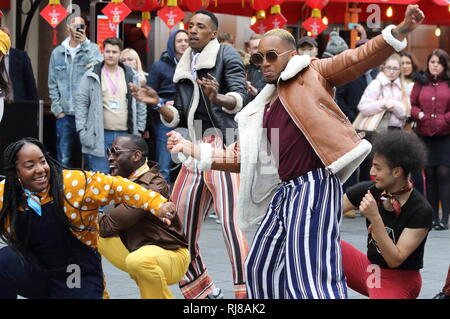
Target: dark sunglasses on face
114 151
271 56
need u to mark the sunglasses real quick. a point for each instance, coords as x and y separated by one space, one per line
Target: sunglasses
114 151
271 56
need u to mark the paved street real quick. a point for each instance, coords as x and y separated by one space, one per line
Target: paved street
437 260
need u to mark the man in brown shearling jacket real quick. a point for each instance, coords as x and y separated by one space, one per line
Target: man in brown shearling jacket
295 189
153 251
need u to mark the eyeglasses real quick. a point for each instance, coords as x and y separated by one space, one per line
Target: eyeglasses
392 69
271 56
114 151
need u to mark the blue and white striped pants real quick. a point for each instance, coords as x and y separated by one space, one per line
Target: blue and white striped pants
296 253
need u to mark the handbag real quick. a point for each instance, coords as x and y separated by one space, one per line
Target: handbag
410 125
370 123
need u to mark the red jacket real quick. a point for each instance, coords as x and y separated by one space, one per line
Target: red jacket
433 99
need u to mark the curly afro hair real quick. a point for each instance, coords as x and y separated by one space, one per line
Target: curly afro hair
401 149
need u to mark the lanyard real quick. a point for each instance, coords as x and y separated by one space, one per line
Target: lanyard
113 87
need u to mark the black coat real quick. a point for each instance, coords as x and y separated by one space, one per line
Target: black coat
21 75
229 71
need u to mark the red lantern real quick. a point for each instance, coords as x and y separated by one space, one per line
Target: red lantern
260 26
54 13
145 24
171 14
314 25
317 4
143 5
116 11
276 20
194 5
261 4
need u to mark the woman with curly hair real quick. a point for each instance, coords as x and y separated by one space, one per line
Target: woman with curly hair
48 220
398 221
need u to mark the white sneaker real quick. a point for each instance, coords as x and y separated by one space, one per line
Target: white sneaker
216 294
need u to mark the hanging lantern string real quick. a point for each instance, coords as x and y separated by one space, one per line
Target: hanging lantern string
55 41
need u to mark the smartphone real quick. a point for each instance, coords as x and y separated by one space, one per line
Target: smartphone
80 27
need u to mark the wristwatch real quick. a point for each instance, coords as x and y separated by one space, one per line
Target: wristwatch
159 105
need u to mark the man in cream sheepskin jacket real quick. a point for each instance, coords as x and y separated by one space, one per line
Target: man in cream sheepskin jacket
295 190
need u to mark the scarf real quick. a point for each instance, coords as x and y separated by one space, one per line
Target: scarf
393 200
139 172
33 201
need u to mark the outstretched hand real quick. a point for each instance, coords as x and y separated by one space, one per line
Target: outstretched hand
174 142
413 18
144 94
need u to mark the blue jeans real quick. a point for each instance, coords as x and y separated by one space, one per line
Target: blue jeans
101 164
163 156
66 136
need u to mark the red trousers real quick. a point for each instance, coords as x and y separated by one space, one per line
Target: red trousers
378 283
446 289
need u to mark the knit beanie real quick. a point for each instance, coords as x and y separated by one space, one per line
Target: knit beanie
336 44
5 42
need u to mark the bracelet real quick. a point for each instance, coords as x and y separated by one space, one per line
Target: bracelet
159 105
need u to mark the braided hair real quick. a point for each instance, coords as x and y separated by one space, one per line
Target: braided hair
13 196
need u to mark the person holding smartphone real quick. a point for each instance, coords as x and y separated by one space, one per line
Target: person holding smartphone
68 63
398 221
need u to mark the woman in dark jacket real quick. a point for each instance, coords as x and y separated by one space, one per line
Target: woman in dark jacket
430 101
161 80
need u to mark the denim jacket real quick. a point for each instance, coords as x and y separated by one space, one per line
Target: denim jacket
64 74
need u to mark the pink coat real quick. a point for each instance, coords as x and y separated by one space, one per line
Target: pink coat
372 100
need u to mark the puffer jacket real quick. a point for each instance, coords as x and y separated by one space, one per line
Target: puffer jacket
224 63
382 88
432 97
89 110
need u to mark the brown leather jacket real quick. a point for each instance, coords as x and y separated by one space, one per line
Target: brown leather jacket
306 89
308 98
137 227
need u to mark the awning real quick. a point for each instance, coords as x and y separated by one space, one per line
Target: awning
296 11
